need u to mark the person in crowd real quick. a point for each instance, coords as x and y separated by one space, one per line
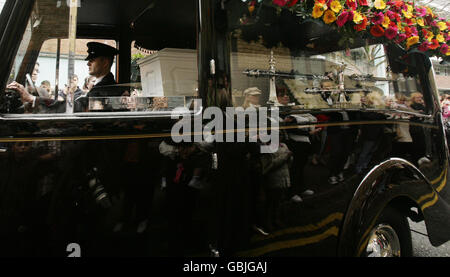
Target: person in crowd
88 84
276 183
370 135
72 88
252 96
47 86
417 132
403 140
300 145
446 109
401 101
416 102
385 145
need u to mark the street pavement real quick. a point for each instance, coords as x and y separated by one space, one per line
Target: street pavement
421 244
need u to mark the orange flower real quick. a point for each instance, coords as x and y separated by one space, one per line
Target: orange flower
377 31
411 41
329 17
434 44
362 26
318 10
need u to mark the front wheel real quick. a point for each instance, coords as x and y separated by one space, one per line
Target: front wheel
390 236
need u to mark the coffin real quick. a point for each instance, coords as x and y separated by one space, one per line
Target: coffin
169 72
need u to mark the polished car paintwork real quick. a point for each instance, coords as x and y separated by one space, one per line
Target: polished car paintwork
49 199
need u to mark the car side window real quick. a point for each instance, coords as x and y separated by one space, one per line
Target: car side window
56 71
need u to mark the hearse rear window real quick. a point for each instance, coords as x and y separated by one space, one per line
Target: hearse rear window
268 67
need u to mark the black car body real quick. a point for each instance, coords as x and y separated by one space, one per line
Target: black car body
113 181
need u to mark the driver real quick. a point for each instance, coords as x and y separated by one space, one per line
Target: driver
100 60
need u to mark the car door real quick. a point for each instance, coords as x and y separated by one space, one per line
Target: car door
107 179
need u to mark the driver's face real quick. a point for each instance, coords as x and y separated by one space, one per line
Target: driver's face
35 73
98 66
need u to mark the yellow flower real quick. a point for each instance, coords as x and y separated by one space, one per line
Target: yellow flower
442 26
410 8
440 38
318 10
407 14
386 22
420 22
400 27
430 36
357 17
329 17
430 12
411 41
380 4
335 6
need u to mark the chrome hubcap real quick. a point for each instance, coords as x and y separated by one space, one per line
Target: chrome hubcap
383 242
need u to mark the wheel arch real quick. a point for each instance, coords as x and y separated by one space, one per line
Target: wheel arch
396 183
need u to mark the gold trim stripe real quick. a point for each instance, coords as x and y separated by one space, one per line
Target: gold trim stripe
440 176
430 203
425 197
443 183
333 231
302 229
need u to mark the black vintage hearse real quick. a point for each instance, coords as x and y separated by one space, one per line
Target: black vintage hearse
363 127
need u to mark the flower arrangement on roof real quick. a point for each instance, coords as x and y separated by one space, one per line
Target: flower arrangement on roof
402 22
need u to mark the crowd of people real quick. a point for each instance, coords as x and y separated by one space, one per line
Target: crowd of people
73 88
337 150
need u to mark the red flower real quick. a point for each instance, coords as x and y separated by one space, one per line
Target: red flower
408 21
343 18
377 31
362 26
352 4
400 38
434 44
280 3
292 3
424 32
378 18
363 3
424 46
399 4
444 49
421 11
391 33
391 15
408 32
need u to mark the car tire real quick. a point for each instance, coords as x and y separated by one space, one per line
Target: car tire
390 236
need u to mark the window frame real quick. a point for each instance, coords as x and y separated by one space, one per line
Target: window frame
17 8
